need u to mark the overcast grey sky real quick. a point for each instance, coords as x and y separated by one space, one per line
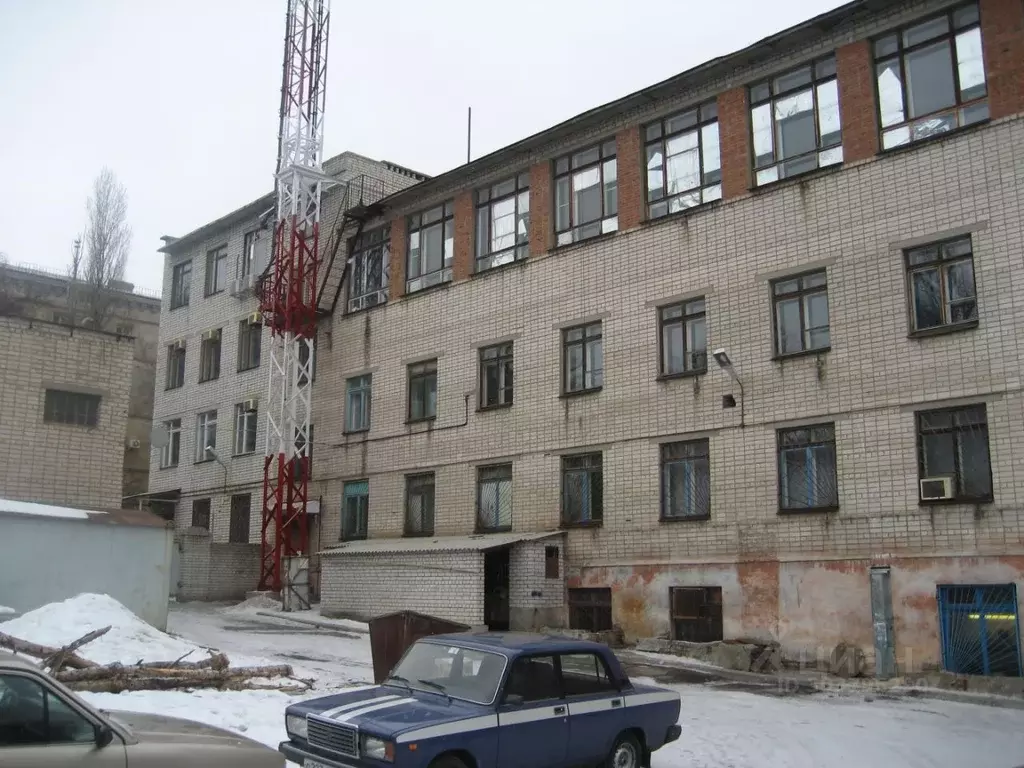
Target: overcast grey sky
180 98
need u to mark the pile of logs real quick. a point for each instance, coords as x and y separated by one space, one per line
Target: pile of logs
80 674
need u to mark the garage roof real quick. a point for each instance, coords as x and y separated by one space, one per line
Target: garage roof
475 543
136 517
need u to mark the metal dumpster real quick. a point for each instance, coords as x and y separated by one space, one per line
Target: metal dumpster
392 633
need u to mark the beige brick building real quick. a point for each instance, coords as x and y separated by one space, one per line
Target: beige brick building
846 233
76 400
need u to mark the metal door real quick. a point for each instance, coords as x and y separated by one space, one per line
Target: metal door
979 630
882 620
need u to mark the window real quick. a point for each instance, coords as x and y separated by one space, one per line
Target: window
953 443
358 392
307 360
534 678
171 452
807 468
941 281
800 305
124 329
304 453
206 435
250 340
175 365
503 222
201 513
77 408
552 561
181 284
247 261
684 165
586 194
423 391
419 504
582 489
496 375
590 609
461 673
431 247
585 674
494 498
246 415
684 338
216 270
795 121
685 480
355 507
583 358
371 258
209 356
696 614
35 716
931 77
238 527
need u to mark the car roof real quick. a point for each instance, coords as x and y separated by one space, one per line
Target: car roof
9 660
514 644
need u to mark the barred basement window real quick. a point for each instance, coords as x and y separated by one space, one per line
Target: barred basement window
201 513
808 478
241 516
371 258
431 247
355 510
582 489
494 498
503 222
684 166
419 504
590 609
586 194
685 480
76 408
696 614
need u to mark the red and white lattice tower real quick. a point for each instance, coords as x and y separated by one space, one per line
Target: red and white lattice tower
289 291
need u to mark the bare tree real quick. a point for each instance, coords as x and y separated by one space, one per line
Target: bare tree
107 241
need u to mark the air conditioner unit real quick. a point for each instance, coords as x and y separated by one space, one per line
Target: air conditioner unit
936 488
235 287
134 443
255 318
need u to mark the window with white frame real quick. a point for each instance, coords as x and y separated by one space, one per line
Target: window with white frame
171 452
206 435
246 416
586 194
503 222
795 122
684 164
355 509
431 247
371 259
247 261
358 395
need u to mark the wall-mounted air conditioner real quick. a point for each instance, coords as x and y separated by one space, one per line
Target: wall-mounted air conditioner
936 488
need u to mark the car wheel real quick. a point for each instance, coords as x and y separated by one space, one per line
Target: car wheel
626 753
448 761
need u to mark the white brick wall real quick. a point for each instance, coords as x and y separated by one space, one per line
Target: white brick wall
536 601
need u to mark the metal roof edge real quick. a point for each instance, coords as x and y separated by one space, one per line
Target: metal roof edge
412 545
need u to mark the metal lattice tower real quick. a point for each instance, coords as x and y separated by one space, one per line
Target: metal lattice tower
289 290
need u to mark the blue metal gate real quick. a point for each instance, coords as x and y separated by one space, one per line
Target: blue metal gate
979 630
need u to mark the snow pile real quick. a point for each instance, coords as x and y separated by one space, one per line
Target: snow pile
129 640
256 603
4 610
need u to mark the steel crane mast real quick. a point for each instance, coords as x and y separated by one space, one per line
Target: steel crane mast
288 294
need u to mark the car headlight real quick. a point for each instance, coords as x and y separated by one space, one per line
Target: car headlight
295 725
378 749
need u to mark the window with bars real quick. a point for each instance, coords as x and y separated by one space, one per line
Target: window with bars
800 307
953 443
181 284
247 261
358 394
201 513
683 338
808 478
175 365
241 517
795 122
206 435
75 408
209 356
590 608
583 358
503 222
216 270
419 504
930 77
371 260
494 498
496 375
586 194
582 489
246 417
171 452
941 283
431 247
684 165
422 391
250 340
355 509
696 614
685 480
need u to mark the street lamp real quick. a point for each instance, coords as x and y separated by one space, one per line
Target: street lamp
722 358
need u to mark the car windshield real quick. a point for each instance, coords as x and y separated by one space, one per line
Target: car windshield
462 673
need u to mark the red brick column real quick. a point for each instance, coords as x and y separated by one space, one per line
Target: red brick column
734 138
1002 39
542 225
462 261
399 246
857 110
628 168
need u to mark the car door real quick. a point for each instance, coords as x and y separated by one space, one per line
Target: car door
533 726
40 729
596 706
